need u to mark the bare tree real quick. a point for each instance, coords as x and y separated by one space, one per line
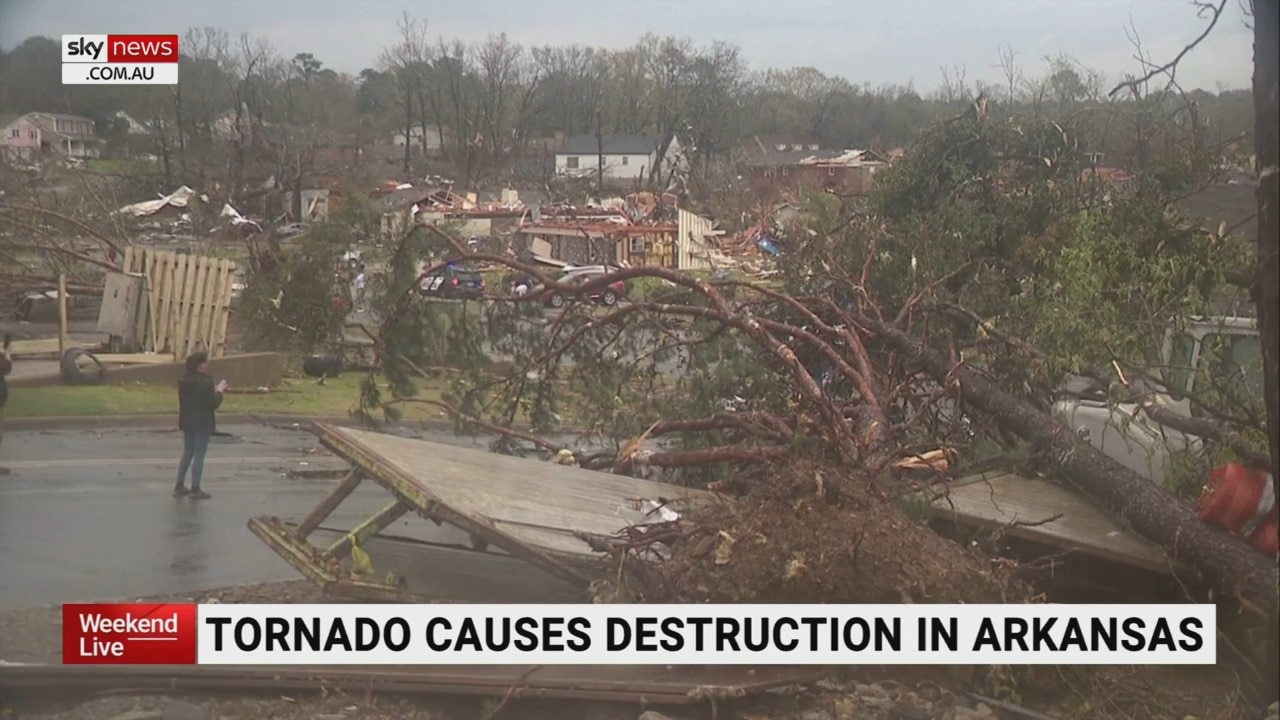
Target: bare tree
1012 73
499 62
405 61
247 68
530 73
955 85
457 85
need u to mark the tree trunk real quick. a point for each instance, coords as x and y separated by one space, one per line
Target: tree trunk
1231 566
182 131
599 154
1266 100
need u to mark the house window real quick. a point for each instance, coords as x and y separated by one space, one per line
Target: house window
571 162
626 159
813 147
637 246
17 132
782 147
768 173
786 171
831 171
30 133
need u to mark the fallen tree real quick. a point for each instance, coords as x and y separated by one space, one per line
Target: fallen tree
1225 560
880 359
806 396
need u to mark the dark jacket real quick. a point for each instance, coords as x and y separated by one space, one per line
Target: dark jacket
197 401
6 365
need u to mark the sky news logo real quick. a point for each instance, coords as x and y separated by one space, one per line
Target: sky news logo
119 59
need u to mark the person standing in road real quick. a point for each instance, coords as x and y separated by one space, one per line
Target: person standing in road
198 400
360 282
6 365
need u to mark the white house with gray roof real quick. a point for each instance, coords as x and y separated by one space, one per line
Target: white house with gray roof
624 157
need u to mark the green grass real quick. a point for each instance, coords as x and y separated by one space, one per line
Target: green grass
337 397
123 166
303 397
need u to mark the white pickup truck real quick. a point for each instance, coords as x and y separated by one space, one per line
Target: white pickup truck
1230 348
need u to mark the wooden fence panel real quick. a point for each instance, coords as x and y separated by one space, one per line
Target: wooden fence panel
186 301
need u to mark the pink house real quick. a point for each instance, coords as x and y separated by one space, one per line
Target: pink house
40 133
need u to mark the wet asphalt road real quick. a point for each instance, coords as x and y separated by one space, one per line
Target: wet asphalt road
87 515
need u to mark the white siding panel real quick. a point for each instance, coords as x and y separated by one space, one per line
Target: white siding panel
616 167
693 251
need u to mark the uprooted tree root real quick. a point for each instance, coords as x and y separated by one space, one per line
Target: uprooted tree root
787 542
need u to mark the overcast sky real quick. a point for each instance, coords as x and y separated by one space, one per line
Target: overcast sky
873 41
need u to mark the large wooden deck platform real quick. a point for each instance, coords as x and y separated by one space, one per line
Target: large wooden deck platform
535 514
1045 512
514 503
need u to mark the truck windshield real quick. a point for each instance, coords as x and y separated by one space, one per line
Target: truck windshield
1235 360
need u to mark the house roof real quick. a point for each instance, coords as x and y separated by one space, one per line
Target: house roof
42 121
612 145
849 158
397 199
762 143
64 116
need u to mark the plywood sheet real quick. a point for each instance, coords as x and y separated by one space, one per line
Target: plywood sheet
537 503
1021 506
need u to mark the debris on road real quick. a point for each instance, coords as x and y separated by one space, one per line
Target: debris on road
561 532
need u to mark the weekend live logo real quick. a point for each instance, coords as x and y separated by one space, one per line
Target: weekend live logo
119 59
601 634
133 634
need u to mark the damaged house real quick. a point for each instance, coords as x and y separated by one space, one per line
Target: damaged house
39 133
687 244
602 243
774 173
425 139
619 157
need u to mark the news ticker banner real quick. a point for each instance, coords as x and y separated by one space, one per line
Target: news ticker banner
183 634
119 59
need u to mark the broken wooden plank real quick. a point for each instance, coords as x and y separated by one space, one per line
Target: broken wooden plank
538 505
222 309
329 504
194 305
1041 511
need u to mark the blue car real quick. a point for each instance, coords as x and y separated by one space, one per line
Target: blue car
453 282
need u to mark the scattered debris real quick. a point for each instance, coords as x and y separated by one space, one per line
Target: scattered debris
236 219
179 199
